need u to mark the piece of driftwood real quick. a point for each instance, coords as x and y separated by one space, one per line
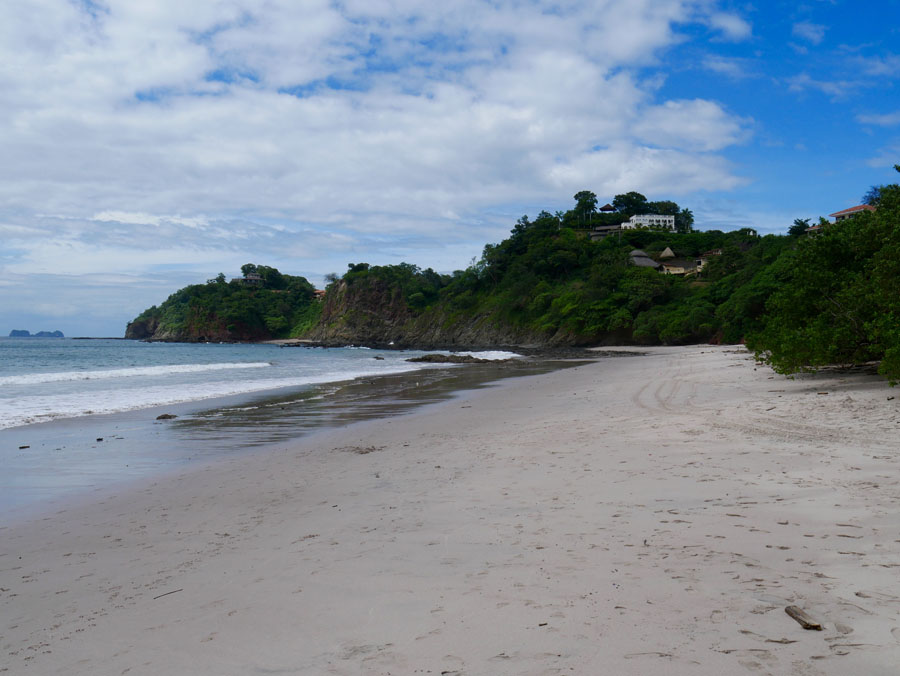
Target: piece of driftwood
174 591
805 620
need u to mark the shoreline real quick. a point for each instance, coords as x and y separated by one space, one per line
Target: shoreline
626 516
65 459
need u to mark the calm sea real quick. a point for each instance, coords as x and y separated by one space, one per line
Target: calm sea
79 416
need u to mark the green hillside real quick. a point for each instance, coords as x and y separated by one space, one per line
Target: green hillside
264 304
800 300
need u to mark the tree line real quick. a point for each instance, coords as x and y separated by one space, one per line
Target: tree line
281 305
799 300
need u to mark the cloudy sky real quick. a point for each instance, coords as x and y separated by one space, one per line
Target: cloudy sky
148 144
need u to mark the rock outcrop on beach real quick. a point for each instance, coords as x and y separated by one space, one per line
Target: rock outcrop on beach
437 358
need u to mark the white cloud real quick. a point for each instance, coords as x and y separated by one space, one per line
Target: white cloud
886 157
886 120
653 171
811 32
836 89
881 66
690 125
732 26
204 135
732 67
133 218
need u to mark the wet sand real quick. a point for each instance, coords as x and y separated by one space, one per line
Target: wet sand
629 516
61 460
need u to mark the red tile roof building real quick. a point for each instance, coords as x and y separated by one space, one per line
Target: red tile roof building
852 211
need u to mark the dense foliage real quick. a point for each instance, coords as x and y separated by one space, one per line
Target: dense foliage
553 279
836 295
418 288
277 306
800 300
830 295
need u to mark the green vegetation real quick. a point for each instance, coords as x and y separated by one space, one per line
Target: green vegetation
800 300
554 280
585 214
276 306
418 288
550 280
836 295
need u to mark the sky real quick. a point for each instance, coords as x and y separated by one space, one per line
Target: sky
150 144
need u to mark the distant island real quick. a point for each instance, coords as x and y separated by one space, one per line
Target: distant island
22 333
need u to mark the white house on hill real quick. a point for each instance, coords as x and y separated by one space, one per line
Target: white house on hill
651 221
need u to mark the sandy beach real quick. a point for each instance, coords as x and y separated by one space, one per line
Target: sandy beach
642 515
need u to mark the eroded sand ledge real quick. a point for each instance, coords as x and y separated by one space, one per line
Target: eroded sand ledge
634 516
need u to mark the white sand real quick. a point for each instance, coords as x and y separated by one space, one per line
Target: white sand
647 515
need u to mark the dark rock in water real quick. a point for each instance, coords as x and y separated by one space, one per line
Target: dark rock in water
99 438
22 448
453 359
166 416
378 358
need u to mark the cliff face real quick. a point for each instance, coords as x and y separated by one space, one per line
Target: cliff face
142 328
194 330
370 312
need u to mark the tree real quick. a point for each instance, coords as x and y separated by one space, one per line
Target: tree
248 268
585 206
743 234
272 278
522 225
663 208
631 203
800 226
684 221
873 195
838 296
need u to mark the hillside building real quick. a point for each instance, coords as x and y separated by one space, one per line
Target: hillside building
650 221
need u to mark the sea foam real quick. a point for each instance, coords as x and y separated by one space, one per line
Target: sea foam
137 371
27 410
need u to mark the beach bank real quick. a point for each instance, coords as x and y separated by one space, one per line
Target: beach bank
105 428
629 516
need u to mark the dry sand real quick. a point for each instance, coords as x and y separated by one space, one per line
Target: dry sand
647 515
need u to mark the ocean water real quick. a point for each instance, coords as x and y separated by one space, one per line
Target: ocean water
79 416
50 379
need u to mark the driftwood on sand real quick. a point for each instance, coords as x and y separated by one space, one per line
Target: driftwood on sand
805 620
